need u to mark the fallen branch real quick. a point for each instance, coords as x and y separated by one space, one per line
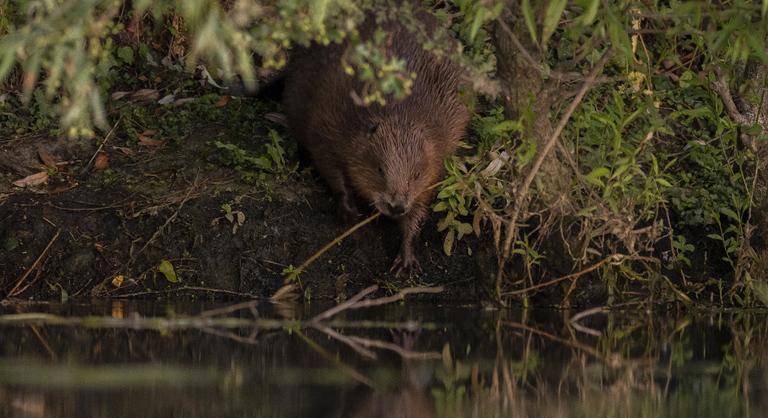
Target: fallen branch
34 265
356 303
522 193
345 305
295 273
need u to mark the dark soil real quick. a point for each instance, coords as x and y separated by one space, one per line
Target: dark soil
164 202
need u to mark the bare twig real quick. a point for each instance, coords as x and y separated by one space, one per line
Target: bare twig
34 265
356 301
613 258
522 192
721 87
101 146
167 221
295 273
345 305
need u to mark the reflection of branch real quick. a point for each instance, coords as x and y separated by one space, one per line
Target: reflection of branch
345 368
356 303
232 336
348 341
613 361
574 320
231 308
407 354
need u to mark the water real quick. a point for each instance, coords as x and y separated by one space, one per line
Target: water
121 359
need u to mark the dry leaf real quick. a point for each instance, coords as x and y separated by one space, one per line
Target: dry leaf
46 157
119 95
124 150
223 101
32 180
277 118
146 94
118 280
102 161
98 247
147 141
167 99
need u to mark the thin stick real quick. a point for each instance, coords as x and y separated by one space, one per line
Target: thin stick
167 221
396 297
615 258
295 273
356 303
186 288
522 193
345 305
34 265
101 146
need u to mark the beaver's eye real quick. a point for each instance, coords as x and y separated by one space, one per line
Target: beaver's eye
381 171
417 175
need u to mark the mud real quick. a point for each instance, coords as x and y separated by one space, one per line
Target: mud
105 233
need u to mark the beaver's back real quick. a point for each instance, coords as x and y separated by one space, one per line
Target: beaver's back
324 118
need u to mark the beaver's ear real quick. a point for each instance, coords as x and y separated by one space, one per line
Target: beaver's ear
372 128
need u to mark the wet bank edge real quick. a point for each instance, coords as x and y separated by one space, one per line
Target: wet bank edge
104 234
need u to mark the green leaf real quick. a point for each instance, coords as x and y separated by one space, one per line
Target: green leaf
476 23
590 13
318 10
760 288
125 53
440 207
464 229
730 213
448 242
529 20
663 182
166 268
765 8
551 19
506 126
594 176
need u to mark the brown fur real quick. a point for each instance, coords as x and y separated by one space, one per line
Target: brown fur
389 155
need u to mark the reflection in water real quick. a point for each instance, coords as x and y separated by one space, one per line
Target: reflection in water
125 361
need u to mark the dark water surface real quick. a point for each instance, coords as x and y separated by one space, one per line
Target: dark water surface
122 359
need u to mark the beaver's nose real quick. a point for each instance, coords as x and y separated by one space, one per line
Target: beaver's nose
396 208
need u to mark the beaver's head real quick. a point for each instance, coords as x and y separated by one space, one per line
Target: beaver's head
393 163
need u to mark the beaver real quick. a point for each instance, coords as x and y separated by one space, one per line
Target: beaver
390 155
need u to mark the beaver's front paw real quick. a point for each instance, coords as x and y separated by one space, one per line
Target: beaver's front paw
406 262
